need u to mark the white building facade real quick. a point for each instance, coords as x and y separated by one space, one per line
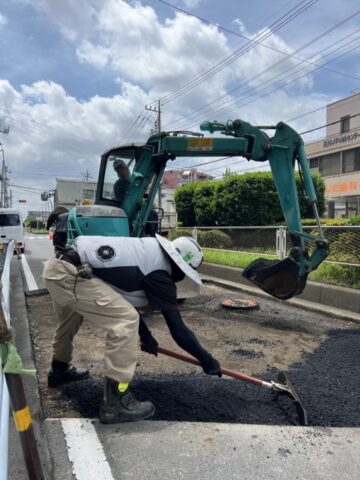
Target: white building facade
69 193
337 157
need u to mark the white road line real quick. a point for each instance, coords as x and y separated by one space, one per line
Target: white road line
37 238
85 450
30 280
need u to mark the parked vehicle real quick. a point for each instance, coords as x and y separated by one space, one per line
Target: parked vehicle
11 227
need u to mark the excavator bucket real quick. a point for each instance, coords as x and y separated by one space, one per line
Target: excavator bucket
279 278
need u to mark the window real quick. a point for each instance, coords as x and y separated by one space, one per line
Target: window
9 220
89 193
314 163
351 160
345 124
330 164
126 156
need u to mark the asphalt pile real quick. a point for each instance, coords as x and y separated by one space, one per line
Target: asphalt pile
327 381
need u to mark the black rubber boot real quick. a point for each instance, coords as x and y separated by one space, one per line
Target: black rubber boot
62 372
119 407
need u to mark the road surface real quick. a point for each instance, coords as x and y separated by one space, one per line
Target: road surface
83 449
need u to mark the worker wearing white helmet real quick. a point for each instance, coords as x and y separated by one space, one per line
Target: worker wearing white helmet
145 270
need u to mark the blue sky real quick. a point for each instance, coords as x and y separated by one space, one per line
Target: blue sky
75 76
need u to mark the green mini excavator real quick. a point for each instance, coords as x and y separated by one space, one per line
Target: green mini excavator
146 164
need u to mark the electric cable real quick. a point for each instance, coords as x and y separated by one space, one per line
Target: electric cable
311 42
283 20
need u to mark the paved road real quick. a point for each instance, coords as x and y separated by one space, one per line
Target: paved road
82 449
37 249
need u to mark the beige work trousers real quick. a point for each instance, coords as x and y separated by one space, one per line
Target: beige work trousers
75 298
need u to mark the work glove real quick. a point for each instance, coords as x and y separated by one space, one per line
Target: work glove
211 366
149 344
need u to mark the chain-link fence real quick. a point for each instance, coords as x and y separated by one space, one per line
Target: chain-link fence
343 261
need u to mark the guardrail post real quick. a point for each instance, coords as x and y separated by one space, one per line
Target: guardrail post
281 242
194 233
24 426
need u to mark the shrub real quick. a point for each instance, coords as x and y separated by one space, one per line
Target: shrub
214 239
240 200
204 203
185 205
180 232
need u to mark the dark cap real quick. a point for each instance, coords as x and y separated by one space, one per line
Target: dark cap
119 164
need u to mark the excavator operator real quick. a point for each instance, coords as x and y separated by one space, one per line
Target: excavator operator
122 183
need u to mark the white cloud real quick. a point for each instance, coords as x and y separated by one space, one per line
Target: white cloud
54 132
3 20
131 41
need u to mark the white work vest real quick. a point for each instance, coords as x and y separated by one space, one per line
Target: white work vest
124 256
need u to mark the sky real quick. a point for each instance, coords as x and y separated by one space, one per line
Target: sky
75 76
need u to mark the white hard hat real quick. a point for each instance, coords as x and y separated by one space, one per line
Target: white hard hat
185 253
189 250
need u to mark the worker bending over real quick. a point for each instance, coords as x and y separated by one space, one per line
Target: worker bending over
145 270
77 293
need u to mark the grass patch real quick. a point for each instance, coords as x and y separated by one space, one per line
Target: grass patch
231 259
340 275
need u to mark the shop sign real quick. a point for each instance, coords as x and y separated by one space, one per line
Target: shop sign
349 137
342 187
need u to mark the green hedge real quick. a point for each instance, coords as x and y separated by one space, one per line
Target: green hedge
249 199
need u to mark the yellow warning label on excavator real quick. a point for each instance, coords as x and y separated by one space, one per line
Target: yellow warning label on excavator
200 144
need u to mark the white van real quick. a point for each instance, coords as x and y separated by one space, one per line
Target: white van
11 227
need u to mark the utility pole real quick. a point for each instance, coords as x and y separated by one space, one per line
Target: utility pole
86 175
158 111
158 130
5 131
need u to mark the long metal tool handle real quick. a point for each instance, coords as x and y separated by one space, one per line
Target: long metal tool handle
224 371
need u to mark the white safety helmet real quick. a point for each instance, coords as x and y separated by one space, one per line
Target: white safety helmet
189 250
186 253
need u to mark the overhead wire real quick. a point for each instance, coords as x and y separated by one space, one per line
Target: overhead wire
258 43
275 26
232 99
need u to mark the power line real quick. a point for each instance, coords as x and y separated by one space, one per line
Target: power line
258 43
279 23
233 101
329 124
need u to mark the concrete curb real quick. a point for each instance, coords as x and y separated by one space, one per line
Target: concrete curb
338 302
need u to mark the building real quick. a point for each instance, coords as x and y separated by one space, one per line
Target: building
173 179
337 157
69 193
37 215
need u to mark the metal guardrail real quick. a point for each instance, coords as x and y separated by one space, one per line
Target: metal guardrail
12 388
4 393
275 240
